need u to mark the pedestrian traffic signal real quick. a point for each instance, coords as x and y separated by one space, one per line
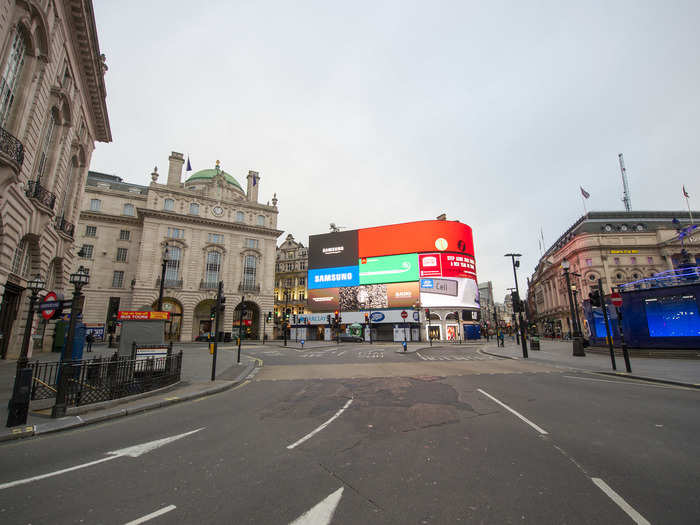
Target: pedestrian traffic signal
594 298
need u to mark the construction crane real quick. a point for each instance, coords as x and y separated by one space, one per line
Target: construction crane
625 185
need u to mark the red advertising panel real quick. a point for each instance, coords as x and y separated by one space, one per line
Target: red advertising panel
323 300
142 316
412 237
446 265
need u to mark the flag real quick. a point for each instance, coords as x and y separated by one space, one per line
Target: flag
584 193
685 193
189 166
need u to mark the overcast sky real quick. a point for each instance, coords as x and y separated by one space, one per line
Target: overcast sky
371 113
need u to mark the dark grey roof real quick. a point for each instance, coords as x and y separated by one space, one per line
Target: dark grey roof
96 178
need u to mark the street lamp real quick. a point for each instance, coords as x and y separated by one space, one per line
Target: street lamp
517 291
162 278
35 285
577 342
284 316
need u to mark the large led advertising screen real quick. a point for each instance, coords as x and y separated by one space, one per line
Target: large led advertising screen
364 297
389 269
333 277
332 250
447 265
456 291
416 237
674 316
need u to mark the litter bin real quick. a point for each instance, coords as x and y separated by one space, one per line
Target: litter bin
534 343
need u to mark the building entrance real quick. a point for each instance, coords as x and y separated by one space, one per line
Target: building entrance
8 314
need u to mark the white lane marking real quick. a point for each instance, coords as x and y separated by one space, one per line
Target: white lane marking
133 452
152 515
321 513
533 425
636 516
324 425
623 382
419 355
340 353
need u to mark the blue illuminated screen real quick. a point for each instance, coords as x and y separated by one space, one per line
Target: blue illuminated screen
599 325
674 316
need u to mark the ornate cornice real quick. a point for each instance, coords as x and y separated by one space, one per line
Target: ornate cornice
86 215
81 20
205 221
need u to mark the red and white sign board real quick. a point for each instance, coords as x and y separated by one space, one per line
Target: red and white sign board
142 316
447 265
616 299
404 314
49 298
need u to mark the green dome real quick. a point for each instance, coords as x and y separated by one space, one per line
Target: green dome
210 174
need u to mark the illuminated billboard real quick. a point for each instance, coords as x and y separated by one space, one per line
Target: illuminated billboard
455 291
389 269
333 250
364 297
447 265
333 277
415 237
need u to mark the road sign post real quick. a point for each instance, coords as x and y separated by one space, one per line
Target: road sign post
404 315
616 299
607 324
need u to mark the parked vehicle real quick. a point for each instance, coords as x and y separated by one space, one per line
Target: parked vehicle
350 338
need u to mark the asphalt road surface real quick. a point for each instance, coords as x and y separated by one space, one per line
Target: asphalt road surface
359 434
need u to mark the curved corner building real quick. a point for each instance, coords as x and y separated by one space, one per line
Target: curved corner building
387 277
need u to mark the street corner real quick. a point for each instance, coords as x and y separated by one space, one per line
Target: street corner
23 431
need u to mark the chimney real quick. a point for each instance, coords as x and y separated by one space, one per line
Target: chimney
176 161
253 185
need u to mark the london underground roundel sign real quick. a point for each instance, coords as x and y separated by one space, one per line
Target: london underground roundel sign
49 298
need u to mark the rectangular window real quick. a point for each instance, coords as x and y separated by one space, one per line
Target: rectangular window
216 238
589 262
302 281
633 260
261 220
617 260
239 216
251 243
194 208
213 266
172 267
118 279
168 204
87 251
129 209
90 231
121 254
95 204
176 233
124 235
249 269
650 260
301 296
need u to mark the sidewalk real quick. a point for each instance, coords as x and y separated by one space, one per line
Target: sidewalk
195 382
558 353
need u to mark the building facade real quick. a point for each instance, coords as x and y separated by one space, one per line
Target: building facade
617 247
205 230
290 278
52 110
486 302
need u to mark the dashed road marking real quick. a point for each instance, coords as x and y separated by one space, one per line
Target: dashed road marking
620 502
152 515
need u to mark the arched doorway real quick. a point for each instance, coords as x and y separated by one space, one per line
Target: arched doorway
201 322
174 325
251 321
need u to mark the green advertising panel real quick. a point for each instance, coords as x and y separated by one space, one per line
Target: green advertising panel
389 269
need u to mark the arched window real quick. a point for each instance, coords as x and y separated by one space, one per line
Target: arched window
169 204
213 267
69 184
46 145
172 267
11 74
249 269
22 261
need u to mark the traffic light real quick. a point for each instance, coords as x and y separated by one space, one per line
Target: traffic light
212 313
294 319
594 298
222 303
269 317
427 313
329 319
457 315
287 313
337 313
366 317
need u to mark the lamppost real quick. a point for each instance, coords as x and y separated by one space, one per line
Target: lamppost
35 285
78 280
517 292
284 317
578 318
577 343
19 406
162 278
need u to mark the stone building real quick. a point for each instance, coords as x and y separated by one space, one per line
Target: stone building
207 229
486 302
617 247
52 110
290 277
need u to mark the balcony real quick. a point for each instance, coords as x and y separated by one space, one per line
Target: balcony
40 194
169 283
63 226
11 150
206 285
248 288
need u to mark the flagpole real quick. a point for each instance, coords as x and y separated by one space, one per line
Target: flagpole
583 201
687 203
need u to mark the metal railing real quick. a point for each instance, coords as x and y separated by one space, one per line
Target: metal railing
87 382
206 285
170 283
36 191
45 378
248 287
64 226
11 147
